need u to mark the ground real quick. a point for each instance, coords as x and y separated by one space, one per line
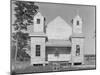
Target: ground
25 67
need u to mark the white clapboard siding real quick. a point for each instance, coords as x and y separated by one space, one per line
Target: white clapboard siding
61 57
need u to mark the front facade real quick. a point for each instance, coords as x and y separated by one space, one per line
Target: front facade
44 50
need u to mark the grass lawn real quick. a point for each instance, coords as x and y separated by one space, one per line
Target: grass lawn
50 68
25 67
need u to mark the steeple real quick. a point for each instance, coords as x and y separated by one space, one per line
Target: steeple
39 23
77 41
77 24
38 39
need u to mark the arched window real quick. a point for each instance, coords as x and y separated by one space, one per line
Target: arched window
77 50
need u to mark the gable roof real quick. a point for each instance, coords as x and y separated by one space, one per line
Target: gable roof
58 29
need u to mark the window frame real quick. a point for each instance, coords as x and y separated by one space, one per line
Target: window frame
78 23
38 21
77 50
38 48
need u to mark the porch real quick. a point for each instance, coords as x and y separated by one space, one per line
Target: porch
58 50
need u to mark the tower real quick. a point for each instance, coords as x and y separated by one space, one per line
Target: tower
77 42
38 40
39 23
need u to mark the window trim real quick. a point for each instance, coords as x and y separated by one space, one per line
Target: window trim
38 48
77 50
78 23
38 21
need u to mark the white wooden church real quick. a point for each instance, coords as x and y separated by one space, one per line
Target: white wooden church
45 50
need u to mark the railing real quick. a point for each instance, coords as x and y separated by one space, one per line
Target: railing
60 57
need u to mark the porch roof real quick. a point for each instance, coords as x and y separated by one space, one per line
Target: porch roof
59 43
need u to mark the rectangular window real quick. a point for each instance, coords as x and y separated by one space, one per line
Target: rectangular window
77 50
37 50
38 21
77 22
56 53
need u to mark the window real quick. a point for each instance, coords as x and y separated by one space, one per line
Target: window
38 21
77 63
56 52
77 50
37 64
37 50
77 22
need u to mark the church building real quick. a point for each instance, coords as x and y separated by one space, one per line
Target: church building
67 48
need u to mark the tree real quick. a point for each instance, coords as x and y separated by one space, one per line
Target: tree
24 13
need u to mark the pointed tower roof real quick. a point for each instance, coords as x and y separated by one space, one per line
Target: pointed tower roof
38 14
78 16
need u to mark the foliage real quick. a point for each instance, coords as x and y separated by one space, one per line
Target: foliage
24 13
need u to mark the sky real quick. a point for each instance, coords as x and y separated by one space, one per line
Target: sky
67 12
